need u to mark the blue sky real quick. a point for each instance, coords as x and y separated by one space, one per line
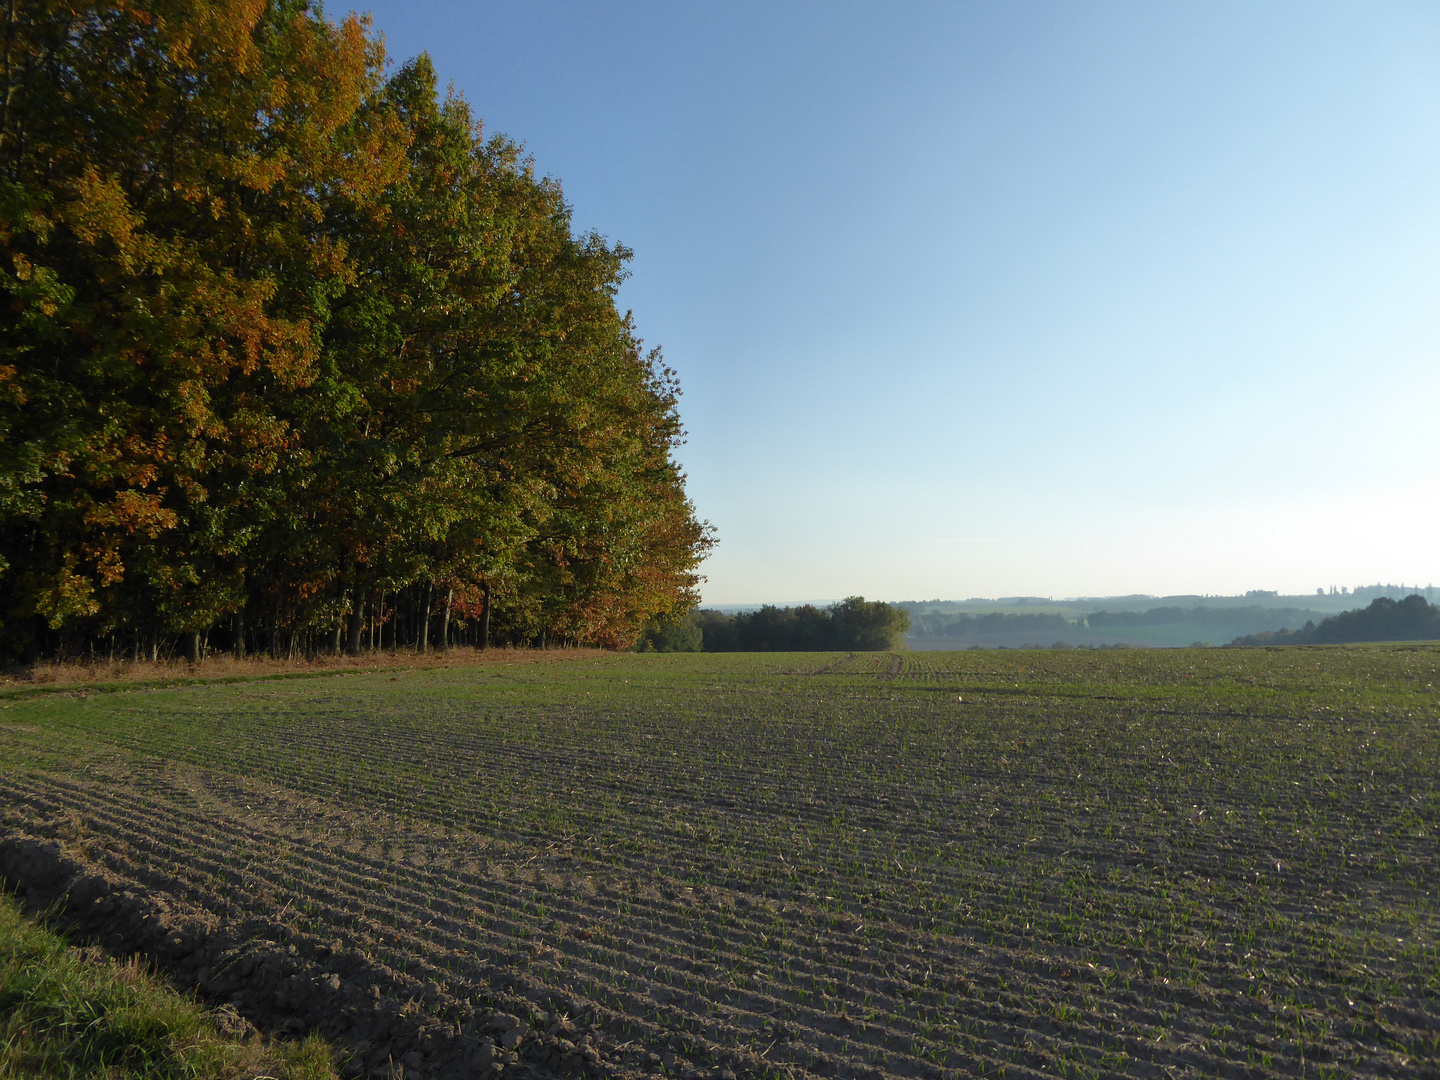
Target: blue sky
979 299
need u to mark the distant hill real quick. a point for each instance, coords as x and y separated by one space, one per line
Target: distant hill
1322 601
1411 619
1154 627
1138 620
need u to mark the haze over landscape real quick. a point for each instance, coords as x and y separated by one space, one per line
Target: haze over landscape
983 300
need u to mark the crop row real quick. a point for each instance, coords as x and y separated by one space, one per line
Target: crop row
945 865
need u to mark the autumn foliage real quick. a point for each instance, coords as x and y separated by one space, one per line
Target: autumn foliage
294 357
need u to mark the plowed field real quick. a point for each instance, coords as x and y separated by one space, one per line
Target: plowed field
1182 863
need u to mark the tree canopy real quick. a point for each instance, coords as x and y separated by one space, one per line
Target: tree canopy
1411 619
852 624
293 352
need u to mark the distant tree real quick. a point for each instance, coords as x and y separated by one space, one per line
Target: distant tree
965 625
775 629
856 623
852 624
666 635
719 631
1411 619
770 629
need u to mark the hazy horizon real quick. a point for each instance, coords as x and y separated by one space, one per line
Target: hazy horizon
1343 593
981 300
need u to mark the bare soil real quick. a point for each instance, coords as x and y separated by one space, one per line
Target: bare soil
1204 864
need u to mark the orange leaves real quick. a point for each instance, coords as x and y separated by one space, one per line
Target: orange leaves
275 320
130 459
10 390
126 514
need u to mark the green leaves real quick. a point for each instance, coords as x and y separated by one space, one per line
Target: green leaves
280 331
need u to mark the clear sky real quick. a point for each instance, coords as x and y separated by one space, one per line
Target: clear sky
979 299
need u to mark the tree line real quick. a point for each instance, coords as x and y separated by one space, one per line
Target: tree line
963 625
296 357
1200 616
1411 619
853 624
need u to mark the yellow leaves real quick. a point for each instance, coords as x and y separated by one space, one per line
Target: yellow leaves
139 473
132 459
261 173
293 354
35 289
194 404
100 209
259 439
330 259
67 595
206 34
109 568
193 489
228 215
201 195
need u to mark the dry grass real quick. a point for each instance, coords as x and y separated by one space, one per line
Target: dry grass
226 666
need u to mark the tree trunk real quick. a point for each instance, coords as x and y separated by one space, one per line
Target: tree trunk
238 647
192 646
445 619
485 618
357 624
423 645
377 625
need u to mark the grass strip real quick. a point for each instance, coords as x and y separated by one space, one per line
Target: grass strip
177 682
264 671
73 1013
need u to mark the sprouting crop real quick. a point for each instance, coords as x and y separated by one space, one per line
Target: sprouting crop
1192 862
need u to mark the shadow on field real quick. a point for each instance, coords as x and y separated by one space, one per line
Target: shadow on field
263 976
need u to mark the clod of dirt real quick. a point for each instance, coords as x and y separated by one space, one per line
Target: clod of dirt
503 1022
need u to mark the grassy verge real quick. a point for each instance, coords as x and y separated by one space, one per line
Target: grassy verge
67 1012
99 677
